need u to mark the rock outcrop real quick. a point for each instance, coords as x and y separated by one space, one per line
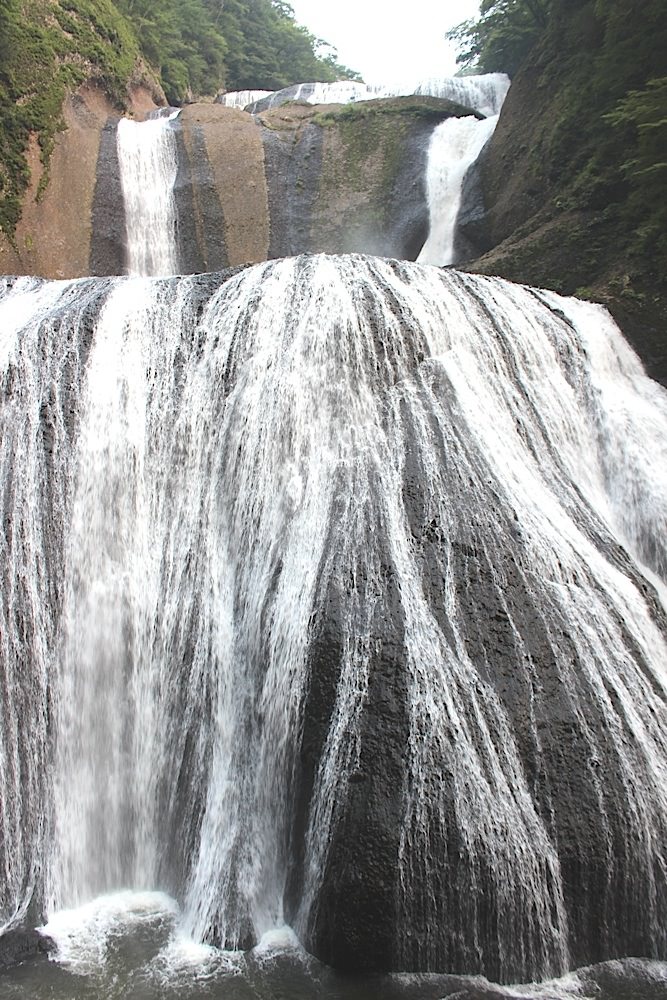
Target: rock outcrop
295 179
54 237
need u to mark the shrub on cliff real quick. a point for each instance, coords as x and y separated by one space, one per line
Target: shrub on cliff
46 49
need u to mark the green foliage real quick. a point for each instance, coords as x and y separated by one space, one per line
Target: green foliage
502 37
180 40
586 137
268 50
46 49
641 117
646 112
609 137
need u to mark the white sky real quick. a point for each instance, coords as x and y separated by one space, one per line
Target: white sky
387 40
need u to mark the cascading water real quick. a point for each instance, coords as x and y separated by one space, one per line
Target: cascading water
211 492
148 164
484 94
240 99
455 145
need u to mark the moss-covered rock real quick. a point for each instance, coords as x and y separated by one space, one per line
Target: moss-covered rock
370 195
48 48
433 109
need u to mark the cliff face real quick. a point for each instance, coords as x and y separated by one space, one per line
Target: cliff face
564 209
53 237
298 178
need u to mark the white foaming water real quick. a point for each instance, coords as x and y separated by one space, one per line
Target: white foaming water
220 462
279 941
82 935
182 962
108 714
148 164
240 99
624 421
484 93
40 373
454 147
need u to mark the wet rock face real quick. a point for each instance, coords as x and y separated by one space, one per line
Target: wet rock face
221 191
298 178
197 200
528 680
353 924
75 227
281 97
511 639
107 248
472 236
303 178
19 946
350 179
293 165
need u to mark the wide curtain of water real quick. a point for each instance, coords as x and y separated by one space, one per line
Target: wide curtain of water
192 467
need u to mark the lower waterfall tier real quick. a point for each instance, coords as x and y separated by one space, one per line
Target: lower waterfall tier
333 595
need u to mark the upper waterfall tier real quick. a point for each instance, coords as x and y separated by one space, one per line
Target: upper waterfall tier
217 188
484 93
334 593
454 148
148 164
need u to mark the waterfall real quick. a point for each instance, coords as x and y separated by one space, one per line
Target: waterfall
240 99
224 499
484 94
148 166
46 329
455 145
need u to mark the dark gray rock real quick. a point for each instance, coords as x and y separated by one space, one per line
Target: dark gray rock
292 164
20 945
472 236
200 223
281 97
108 241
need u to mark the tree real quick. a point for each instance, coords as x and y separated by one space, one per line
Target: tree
642 117
502 37
181 41
267 49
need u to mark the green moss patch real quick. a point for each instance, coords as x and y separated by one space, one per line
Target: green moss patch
431 108
47 49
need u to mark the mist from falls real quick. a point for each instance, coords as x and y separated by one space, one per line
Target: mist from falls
196 473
